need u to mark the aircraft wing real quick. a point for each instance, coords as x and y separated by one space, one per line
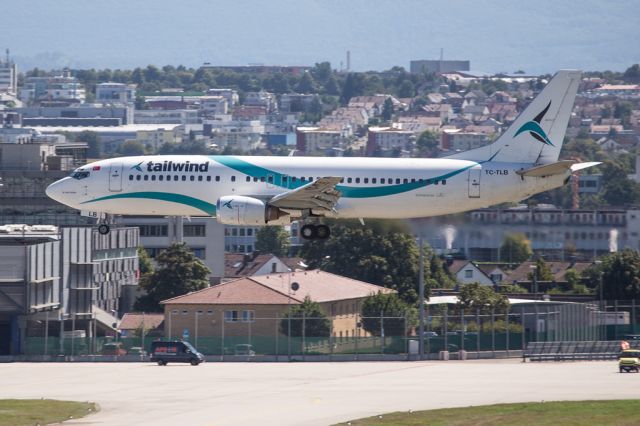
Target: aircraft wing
319 195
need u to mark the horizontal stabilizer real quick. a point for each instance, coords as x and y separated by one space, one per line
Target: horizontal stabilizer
557 168
580 166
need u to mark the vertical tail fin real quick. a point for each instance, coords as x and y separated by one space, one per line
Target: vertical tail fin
537 134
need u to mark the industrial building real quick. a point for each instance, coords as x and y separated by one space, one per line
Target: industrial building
57 283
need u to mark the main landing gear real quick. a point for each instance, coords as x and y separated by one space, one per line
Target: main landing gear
315 232
103 229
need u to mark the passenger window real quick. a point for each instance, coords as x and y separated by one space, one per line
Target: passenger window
160 177
217 178
397 180
405 181
349 180
153 177
342 180
357 180
138 177
233 178
382 180
130 177
284 179
270 179
199 178
413 181
310 179
302 179
262 179
255 178
208 178
293 179
176 178
184 178
435 182
374 180
366 180
248 179
192 178
146 177
444 182
168 177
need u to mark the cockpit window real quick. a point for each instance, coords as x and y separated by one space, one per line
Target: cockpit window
80 174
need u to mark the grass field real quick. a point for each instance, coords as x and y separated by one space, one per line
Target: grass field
579 413
19 412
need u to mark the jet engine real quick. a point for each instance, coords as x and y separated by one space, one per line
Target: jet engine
239 210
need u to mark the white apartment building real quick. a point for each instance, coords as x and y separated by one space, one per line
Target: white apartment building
115 93
8 76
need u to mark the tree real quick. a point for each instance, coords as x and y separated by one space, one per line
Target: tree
542 272
617 188
131 148
406 89
387 109
144 261
515 248
178 272
475 296
632 74
316 323
306 84
93 140
273 239
619 274
392 309
427 144
382 253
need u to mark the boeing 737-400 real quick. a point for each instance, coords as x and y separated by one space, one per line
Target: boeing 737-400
240 190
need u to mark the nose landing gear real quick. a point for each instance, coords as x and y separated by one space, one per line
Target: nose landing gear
103 224
315 232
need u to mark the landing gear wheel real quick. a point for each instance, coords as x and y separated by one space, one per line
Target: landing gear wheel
323 232
162 362
309 232
194 362
103 229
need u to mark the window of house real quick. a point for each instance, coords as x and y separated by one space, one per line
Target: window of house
210 312
468 273
185 312
195 230
248 316
230 316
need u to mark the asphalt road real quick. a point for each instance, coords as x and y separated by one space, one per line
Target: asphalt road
304 393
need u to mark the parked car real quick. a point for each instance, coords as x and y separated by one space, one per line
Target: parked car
137 350
244 349
429 334
163 352
113 348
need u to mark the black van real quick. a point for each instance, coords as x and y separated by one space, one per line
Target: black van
163 352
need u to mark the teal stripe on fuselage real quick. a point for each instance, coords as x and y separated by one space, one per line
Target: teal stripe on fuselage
347 191
208 208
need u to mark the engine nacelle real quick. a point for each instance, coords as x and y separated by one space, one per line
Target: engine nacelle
239 210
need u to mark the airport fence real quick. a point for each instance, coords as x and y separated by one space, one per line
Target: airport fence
446 328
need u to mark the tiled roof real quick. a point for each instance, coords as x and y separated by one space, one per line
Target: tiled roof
558 269
134 320
241 265
274 289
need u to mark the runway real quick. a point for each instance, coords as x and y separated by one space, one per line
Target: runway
304 393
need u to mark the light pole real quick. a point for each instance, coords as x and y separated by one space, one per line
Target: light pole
598 264
198 313
535 297
115 324
421 291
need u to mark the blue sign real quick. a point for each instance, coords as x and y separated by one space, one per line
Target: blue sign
185 333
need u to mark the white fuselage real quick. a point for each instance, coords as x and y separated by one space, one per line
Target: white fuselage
371 187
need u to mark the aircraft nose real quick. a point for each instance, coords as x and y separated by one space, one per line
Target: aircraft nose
57 191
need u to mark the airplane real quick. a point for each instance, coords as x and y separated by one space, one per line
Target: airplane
260 190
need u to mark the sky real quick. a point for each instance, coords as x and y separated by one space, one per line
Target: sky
495 35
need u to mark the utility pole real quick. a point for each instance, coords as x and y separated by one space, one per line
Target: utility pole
421 291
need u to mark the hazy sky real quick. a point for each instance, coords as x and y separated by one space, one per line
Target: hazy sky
496 35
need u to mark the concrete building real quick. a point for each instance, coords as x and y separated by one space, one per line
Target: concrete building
204 236
457 140
243 135
314 140
229 94
154 139
61 89
385 140
115 93
261 99
258 302
60 281
8 76
438 66
162 116
297 102
554 233
77 115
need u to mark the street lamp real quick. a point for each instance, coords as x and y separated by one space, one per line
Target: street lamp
598 264
535 303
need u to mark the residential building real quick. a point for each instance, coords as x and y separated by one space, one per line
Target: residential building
154 139
166 116
438 66
132 323
468 272
315 140
63 89
261 99
115 93
297 102
259 301
8 76
387 140
237 265
229 94
457 140
203 235
63 280
524 274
